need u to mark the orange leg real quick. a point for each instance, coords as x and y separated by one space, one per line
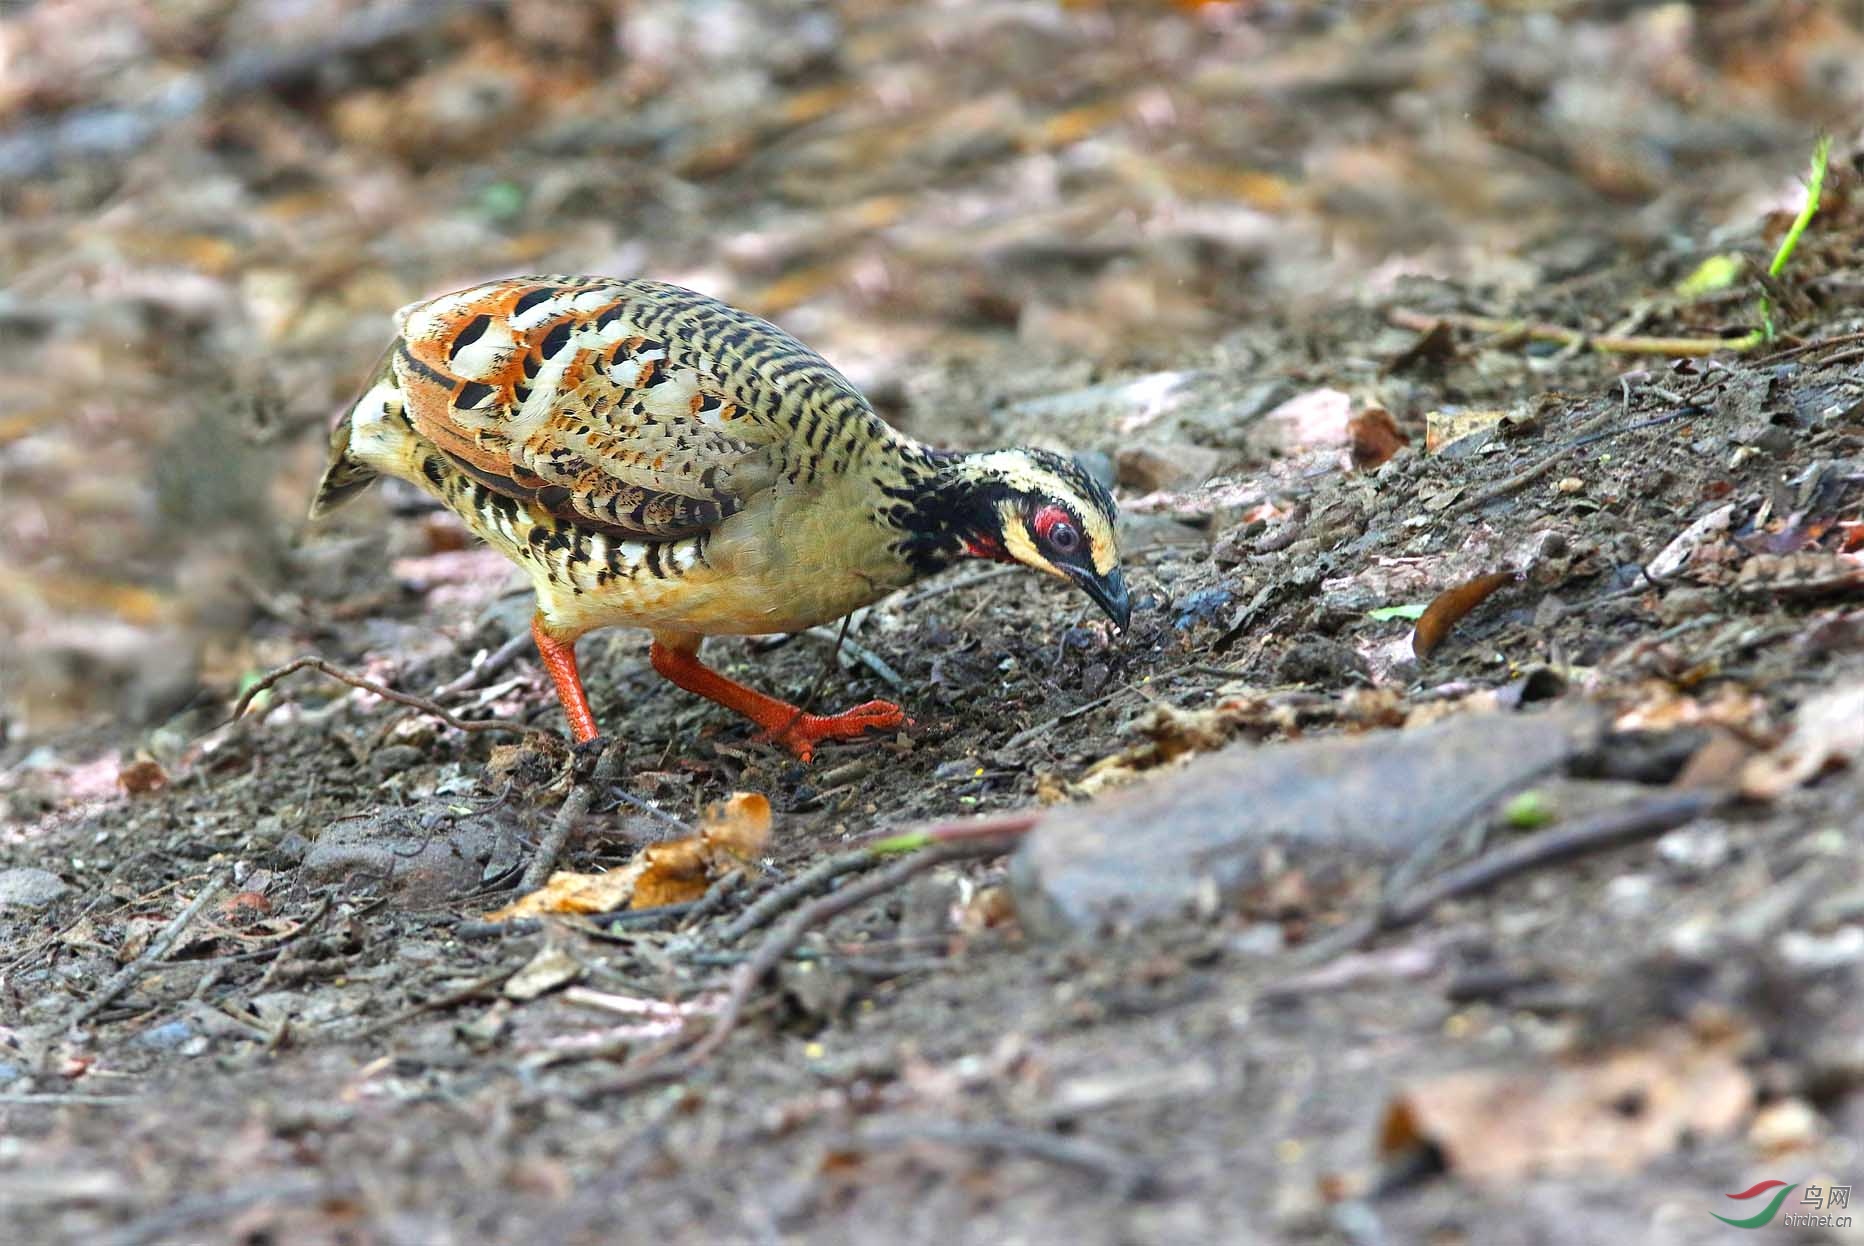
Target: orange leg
560 660
784 723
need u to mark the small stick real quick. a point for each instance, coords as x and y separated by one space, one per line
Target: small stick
860 652
653 1066
766 907
1608 829
158 949
471 991
423 704
496 661
953 585
1608 343
537 873
713 900
1128 1177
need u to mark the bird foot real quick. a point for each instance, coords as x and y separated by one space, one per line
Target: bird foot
803 733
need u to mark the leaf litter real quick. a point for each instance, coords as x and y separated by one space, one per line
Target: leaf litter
1207 251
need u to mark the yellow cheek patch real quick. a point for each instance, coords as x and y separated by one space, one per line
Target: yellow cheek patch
1017 542
1102 541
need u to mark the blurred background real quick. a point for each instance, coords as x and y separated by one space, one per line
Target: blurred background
208 209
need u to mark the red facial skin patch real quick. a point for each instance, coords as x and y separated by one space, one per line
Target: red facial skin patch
987 547
1047 518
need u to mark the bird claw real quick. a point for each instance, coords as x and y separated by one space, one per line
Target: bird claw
808 730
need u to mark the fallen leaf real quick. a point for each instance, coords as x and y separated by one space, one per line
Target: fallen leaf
1445 428
1450 607
1615 1114
551 968
732 834
1375 438
142 776
1434 345
576 893
1828 731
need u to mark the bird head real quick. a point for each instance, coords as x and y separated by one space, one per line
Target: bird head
1047 512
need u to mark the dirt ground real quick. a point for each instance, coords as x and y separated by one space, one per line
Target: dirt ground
1360 305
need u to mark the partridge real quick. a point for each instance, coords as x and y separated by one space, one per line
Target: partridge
657 459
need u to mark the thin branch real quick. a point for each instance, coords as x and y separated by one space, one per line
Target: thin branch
1608 829
765 909
1608 343
860 652
157 950
656 1065
538 872
1127 1176
423 704
495 662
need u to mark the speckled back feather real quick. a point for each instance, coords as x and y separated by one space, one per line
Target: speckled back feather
630 407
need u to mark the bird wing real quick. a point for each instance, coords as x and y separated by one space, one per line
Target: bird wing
628 406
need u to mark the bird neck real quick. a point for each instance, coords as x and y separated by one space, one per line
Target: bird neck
943 506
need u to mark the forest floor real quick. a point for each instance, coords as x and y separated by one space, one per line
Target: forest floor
1537 919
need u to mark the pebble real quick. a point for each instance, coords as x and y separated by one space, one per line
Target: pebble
26 887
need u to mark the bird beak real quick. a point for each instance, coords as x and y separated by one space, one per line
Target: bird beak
1109 593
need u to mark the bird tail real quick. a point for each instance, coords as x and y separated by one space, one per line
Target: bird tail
346 475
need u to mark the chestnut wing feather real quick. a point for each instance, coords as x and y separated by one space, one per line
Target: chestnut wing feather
568 393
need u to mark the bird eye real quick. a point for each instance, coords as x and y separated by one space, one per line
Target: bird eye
1065 538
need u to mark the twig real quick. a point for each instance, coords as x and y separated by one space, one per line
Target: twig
1129 1177
158 949
170 1221
994 828
55 1099
1804 347
537 873
495 661
860 652
604 923
1607 829
1043 728
423 704
273 946
471 991
713 900
1592 431
766 907
953 585
655 1064
1609 343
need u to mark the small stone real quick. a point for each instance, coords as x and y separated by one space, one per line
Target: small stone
1229 824
1172 465
1695 851
1789 1125
1815 953
1629 894
168 1036
29 888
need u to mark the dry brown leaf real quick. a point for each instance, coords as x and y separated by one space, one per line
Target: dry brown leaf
1375 438
1828 731
1445 428
142 776
732 834
1450 606
1617 1113
576 893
